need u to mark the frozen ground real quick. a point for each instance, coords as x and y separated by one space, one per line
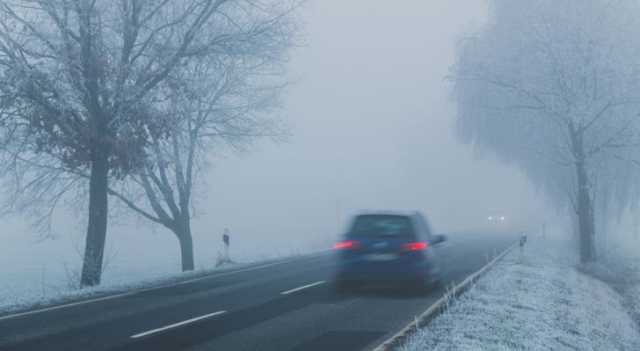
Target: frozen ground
533 301
620 269
633 298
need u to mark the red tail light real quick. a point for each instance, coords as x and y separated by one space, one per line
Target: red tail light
417 246
347 245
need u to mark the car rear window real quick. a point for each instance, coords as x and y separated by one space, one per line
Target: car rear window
381 226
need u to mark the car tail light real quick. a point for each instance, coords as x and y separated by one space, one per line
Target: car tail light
347 245
417 246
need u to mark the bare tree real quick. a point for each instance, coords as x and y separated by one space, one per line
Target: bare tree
220 102
83 89
554 87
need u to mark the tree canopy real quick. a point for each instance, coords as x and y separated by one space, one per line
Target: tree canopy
554 88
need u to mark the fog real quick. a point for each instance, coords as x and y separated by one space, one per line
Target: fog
372 127
200 162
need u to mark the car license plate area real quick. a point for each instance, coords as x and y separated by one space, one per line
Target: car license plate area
381 257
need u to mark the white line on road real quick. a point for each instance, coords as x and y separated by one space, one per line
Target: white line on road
302 287
175 325
58 307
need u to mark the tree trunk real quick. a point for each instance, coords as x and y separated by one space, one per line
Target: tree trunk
186 245
98 211
586 222
584 202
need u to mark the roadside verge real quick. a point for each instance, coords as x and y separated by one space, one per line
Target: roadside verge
534 299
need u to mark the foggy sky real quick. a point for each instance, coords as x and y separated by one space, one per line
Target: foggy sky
372 127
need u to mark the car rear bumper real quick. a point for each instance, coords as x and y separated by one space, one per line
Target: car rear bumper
397 272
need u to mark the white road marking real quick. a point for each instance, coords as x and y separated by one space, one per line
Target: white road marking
302 287
58 307
175 325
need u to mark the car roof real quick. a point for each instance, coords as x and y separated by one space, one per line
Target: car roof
387 213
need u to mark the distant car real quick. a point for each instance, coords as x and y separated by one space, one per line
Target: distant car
388 247
500 219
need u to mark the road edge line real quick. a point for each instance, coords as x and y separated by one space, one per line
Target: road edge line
439 306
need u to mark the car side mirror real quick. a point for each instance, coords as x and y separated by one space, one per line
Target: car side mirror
438 239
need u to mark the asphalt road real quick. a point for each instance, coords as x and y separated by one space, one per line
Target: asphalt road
280 306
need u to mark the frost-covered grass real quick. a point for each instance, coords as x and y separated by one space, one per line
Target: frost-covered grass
533 301
633 298
620 269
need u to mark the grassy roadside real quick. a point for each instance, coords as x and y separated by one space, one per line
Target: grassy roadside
534 300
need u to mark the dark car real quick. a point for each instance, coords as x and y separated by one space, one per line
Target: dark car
392 248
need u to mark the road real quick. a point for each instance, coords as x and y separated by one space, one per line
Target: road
280 306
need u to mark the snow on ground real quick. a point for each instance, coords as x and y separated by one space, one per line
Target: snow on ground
633 297
620 269
534 300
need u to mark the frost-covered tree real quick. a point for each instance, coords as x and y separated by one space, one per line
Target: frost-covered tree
553 86
83 91
217 102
